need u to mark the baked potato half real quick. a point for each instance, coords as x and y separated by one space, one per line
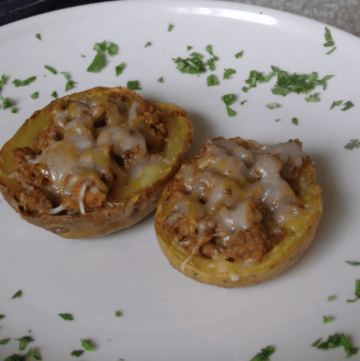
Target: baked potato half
239 213
93 162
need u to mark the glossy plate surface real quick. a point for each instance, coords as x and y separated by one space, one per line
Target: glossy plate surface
164 315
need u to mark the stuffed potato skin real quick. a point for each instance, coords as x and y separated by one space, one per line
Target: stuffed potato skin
300 232
130 203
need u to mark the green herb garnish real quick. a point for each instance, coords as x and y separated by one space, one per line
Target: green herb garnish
160 80
243 102
351 263
336 104
3 81
24 82
348 105
133 85
14 110
209 49
354 143
17 294
231 112
38 36
120 68
2 316
330 51
335 341
148 44
24 341
331 298
357 291
264 354
212 80
77 353
117 313
88 346
273 105
66 316
277 120
170 27
70 83
4 341
54 94
295 121
328 38
34 95
229 99
239 54
313 98
328 319
228 73
50 69
99 61
189 47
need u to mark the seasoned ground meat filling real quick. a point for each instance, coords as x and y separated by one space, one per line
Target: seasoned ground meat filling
230 202
91 147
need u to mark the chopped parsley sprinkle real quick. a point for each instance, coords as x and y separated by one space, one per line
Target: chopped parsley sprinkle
6 103
330 51
133 85
209 49
228 99
212 80
354 143
120 68
336 103
277 120
264 354
148 44
295 121
50 69
189 47
35 95
88 346
273 105
351 263
239 54
99 60
331 298
357 291
313 98
3 81
66 316
328 319
329 40
4 341
17 294
228 73
54 94
14 110
335 341
24 82
117 313
38 36
170 27
24 341
243 102
2 316
348 105
160 80
77 353
70 83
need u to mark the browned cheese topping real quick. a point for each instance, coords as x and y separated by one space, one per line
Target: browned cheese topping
92 147
231 201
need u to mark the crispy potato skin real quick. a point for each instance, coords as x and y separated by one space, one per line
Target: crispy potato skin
126 211
227 274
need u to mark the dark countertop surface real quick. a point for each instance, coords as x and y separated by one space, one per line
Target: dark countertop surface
343 14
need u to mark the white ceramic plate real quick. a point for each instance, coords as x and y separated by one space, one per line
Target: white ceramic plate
166 316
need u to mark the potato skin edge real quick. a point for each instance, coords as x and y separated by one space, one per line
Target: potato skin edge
125 213
249 275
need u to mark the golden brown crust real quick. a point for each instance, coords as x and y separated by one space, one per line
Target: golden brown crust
127 206
263 260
